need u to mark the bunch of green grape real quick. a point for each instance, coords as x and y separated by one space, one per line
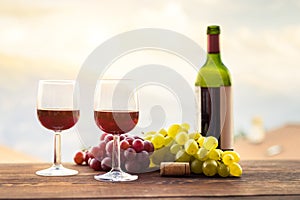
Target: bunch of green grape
211 161
178 144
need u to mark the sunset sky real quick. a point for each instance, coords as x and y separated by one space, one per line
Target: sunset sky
260 44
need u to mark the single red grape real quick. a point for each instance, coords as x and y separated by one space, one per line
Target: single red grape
79 158
88 155
142 156
130 154
124 144
129 139
95 164
143 159
148 146
138 145
106 164
98 153
122 137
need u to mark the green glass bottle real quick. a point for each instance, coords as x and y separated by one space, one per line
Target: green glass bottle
213 93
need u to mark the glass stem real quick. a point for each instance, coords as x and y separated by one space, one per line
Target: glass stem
115 162
57 149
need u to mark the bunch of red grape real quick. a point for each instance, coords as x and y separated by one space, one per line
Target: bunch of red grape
134 154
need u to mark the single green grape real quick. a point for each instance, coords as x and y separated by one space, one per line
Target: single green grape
173 130
200 141
181 138
161 155
202 154
194 135
191 147
235 169
236 156
220 152
209 167
168 141
158 156
163 132
228 159
214 154
223 170
196 166
175 148
182 156
185 126
158 140
210 143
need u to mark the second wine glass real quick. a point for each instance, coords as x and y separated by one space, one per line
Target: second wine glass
116 111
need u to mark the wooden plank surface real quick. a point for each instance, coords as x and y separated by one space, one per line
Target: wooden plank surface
261 179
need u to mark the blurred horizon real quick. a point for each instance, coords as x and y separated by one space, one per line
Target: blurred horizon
43 39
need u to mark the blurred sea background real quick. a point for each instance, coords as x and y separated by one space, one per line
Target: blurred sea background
45 39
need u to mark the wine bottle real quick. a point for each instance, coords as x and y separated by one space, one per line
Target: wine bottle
213 94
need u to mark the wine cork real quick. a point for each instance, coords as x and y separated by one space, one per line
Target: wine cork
175 169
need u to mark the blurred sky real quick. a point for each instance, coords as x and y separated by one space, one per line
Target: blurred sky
260 44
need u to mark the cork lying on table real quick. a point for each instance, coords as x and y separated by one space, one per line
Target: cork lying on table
175 169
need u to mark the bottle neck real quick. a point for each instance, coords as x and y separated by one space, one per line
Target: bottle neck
213 48
214 58
213 43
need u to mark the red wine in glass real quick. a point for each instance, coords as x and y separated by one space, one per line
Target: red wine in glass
116 122
58 120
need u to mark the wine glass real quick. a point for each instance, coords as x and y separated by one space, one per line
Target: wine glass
116 111
57 110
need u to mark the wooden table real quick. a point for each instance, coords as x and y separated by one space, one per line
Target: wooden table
260 180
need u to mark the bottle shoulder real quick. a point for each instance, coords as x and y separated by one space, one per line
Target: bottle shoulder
213 74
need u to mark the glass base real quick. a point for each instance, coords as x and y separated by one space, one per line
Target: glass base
57 170
116 176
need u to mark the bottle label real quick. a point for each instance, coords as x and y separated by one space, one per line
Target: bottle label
214 114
